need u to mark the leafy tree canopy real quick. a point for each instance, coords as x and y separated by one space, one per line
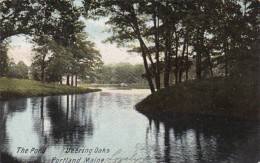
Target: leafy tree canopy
59 18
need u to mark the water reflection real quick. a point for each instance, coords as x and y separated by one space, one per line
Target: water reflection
50 121
107 120
68 124
59 119
205 140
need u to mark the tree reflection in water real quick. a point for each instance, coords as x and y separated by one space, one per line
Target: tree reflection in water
69 122
7 109
192 140
108 120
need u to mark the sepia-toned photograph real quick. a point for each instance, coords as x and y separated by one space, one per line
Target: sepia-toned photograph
129 81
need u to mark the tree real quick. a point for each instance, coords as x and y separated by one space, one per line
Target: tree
85 59
106 75
251 16
53 60
40 58
19 70
159 29
127 24
50 60
15 18
121 73
137 73
55 20
11 72
58 18
3 59
22 70
226 30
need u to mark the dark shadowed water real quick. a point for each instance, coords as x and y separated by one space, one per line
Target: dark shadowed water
104 126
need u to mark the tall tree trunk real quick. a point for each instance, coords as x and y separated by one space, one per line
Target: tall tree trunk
72 80
43 67
198 65
166 70
135 27
199 45
42 74
187 62
148 54
148 73
182 59
157 53
180 75
68 80
210 64
166 51
176 58
157 75
61 79
226 58
76 80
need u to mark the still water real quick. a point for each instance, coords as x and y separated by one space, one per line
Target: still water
104 127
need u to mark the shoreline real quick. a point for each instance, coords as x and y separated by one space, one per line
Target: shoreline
226 98
171 117
20 88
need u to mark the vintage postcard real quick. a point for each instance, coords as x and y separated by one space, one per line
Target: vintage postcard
136 81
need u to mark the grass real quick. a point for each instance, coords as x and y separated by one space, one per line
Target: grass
225 97
14 88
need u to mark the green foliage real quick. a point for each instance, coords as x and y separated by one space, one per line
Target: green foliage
171 33
247 65
58 18
52 61
3 59
55 27
41 55
227 98
19 70
85 58
121 73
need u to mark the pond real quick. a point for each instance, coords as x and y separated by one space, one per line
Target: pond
105 127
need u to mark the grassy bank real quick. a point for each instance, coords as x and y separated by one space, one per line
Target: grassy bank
13 88
225 97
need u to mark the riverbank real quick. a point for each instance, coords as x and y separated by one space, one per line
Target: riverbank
222 97
117 86
15 88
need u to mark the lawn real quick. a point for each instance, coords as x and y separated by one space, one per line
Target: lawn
13 88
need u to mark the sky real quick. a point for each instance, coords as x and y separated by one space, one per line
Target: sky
20 48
